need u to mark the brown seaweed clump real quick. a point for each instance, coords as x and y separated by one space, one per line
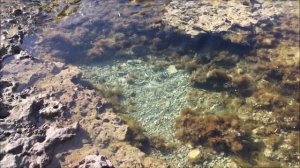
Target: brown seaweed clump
216 79
159 143
285 110
243 85
101 46
221 80
221 133
135 134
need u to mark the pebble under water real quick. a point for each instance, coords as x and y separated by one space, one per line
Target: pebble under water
239 96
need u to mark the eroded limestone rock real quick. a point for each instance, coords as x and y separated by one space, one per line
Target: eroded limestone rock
196 17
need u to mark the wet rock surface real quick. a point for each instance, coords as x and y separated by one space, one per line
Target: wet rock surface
28 135
195 17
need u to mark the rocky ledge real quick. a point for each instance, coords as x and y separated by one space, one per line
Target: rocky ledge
197 17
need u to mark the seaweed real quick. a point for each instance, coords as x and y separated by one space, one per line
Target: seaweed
216 79
160 144
135 133
114 96
217 131
243 85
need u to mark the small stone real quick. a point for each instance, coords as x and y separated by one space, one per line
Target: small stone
267 42
172 69
194 155
240 71
190 146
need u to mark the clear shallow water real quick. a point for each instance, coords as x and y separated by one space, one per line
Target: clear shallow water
160 70
153 97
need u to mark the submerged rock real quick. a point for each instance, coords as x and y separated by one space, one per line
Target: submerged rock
194 155
172 69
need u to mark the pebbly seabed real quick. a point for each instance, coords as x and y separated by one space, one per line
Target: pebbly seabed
138 83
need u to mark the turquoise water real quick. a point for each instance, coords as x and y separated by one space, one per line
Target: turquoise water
157 70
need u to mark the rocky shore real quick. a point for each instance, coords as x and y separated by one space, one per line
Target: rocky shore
213 83
47 119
